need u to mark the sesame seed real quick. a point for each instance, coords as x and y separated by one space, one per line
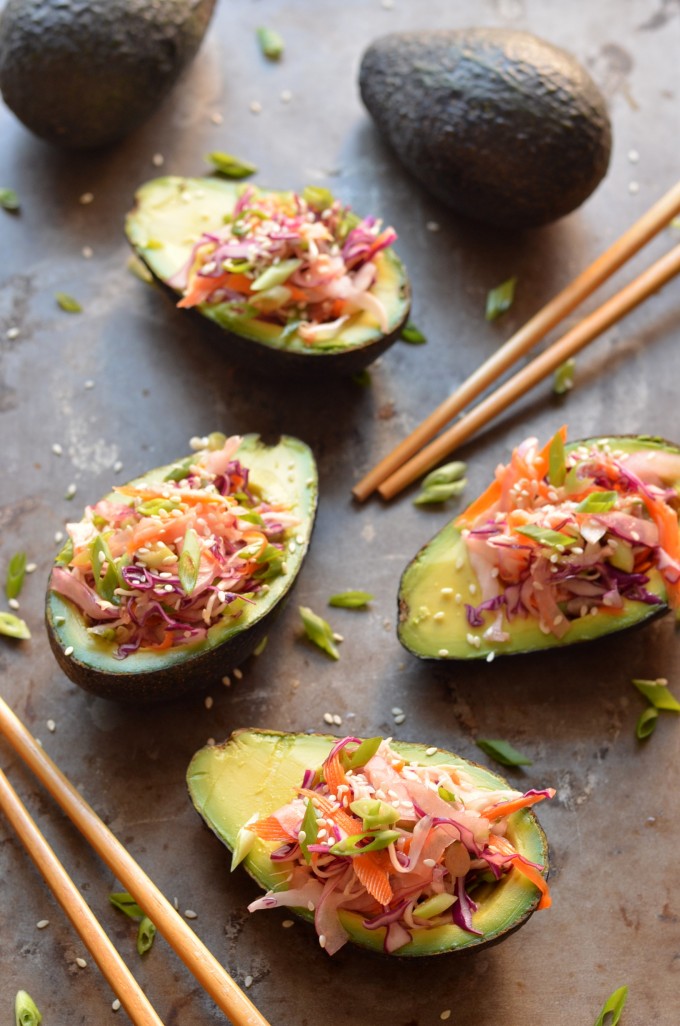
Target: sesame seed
633 187
458 599
472 588
51 726
446 1014
286 96
31 568
491 656
322 940
42 924
433 226
395 710
226 681
287 923
158 160
13 603
443 652
115 1004
337 720
216 118
237 673
338 637
439 616
59 621
12 333
81 963
70 491
87 252
430 863
431 751
208 702
68 651
175 902
328 718
248 981
117 467
633 156
190 914
57 449
446 591
255 107
86 198
400 718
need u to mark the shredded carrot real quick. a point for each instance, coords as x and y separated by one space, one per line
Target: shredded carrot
503 809
504 846
482 504
271 829
372 871
334 773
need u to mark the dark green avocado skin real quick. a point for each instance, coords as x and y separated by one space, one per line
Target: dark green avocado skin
501 126
84 73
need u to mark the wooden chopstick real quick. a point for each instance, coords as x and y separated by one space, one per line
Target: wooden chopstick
656 218
212 976
588 329
123 983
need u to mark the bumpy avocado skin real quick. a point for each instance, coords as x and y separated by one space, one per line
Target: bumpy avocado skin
443 563
146 676
499 125
84 73
255 772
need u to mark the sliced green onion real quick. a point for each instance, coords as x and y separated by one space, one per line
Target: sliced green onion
25 1010
105 585
503 752
271 43
657 694
376 814
546 536
354 844
261 645
557 462
319 631
9 200
597 502
318 198
360 755
350 599
136 266
229 165
500 299
68 303
245 839
16 571
563 378
310 829
623 557
216 441
434 906
646 724
277 274
409 333
65 554
152 507
440 492
181 471
146 931
612 1007
124 902
445 794
189 561
445 474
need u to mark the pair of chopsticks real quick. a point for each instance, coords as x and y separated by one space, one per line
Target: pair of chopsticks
202 963
405 463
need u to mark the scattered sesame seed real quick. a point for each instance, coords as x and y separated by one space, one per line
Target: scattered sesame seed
472 588
287 923
255 107
338 637
208 702
89 383
430 863
633 156
328 718
439 616
51 726
322 940
226 681
337 720
216 118
68 651
446 591
158 160
81 963
458 598
237 673
248 981
13 603
115 1004
633 187
117 467
87 252
433 226
57 449
310 906
395 710
42 924
190 914
443 652
12 333
86 198
446 1014
491 656
400 718
387 4
70 491
59 621
31 568
286 96
58 536
175 902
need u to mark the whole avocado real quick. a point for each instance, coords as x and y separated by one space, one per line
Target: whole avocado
499 125
84 73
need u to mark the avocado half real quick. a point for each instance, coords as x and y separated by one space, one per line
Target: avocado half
257 771
169 216
284 472
500 125
443 563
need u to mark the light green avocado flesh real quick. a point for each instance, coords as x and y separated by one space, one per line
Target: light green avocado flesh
285 473
170 215
256 772
440 579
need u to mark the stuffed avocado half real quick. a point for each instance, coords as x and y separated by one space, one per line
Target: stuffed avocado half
567 544
296 281
396 847
171 580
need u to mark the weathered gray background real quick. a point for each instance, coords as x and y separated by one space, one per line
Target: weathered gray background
158 379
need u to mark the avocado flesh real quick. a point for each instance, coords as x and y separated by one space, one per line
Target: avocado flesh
82 75
148 675
499 125
170 215
256 772
444 563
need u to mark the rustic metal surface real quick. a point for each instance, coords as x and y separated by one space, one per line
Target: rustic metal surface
158 379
